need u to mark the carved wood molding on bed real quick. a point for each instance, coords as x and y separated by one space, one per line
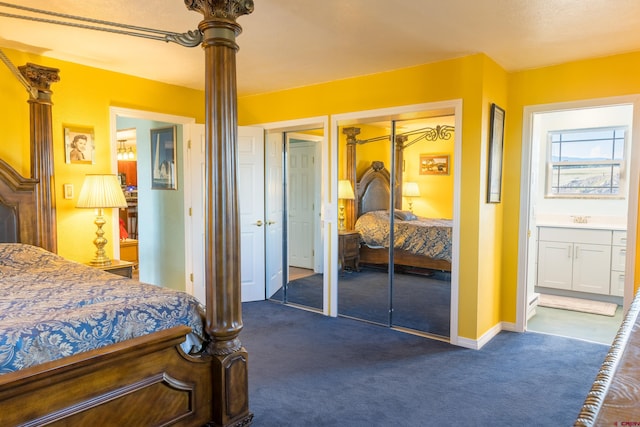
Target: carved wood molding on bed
18 219
613 398
41 78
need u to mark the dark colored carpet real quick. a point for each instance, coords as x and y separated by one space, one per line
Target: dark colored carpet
419 302
306 369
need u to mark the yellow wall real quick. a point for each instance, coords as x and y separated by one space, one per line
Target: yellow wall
490 251
589 79
436 191
82 97
472 79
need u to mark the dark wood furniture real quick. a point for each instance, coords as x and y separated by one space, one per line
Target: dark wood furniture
349 250
119 267
147 380
614 398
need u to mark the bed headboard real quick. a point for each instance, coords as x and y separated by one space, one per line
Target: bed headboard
18 219
374 189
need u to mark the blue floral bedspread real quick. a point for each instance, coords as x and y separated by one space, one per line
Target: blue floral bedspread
422 236
51 308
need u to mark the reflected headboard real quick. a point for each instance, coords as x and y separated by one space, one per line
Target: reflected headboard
374 189
18 216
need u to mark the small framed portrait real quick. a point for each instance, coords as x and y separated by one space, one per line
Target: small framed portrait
434 164
79 145
163 159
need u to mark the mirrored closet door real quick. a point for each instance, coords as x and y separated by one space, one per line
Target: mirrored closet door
400 171
293 165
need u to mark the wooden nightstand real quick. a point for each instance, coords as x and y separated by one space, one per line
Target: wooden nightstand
121 268
349 249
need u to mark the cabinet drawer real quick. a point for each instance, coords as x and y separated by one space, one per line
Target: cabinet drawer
619 238
618 257
351 245
617 283
556 234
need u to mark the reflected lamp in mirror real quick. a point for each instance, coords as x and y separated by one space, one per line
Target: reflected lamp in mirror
99 192
410 190
345 192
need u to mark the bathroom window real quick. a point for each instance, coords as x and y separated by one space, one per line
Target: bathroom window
586 163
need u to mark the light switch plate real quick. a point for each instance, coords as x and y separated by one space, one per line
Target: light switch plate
68 191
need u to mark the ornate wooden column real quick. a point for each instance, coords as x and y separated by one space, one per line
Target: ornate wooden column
399 165
40 78
351 207
222 223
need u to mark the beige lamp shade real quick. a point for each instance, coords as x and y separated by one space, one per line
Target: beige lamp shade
101 191
345 190
410 189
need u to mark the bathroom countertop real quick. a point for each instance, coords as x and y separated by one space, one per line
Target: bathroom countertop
585 225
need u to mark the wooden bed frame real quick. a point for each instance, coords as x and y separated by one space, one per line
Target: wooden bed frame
147 380
373 193
613 398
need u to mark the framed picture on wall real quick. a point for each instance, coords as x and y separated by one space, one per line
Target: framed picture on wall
496 140
163 158
79 147
434 164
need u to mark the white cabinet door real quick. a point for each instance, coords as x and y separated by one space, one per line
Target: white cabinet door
591 268
555 265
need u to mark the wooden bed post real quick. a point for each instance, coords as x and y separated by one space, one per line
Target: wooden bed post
40 78
399 166
351 206
222 226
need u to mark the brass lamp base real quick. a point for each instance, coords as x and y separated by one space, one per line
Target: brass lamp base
101 259
341 217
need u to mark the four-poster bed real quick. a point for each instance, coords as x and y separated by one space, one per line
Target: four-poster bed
149 379
418 242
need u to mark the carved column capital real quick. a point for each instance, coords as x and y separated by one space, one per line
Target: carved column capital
40 77
221 9
351 133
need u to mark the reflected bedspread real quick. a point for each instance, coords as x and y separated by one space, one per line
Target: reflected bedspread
422 236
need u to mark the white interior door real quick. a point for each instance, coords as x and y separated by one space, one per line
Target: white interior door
274 206
194 193
251 200
252 219
301 204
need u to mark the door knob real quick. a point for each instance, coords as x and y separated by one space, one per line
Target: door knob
259 223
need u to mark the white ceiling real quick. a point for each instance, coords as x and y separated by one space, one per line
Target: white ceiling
292 43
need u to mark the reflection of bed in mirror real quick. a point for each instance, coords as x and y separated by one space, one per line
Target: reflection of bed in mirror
418 242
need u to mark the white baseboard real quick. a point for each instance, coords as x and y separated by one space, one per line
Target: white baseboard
485 338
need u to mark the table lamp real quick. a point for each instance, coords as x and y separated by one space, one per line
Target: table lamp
100 192
410 190
345 192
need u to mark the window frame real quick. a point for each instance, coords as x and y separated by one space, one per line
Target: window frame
550 164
